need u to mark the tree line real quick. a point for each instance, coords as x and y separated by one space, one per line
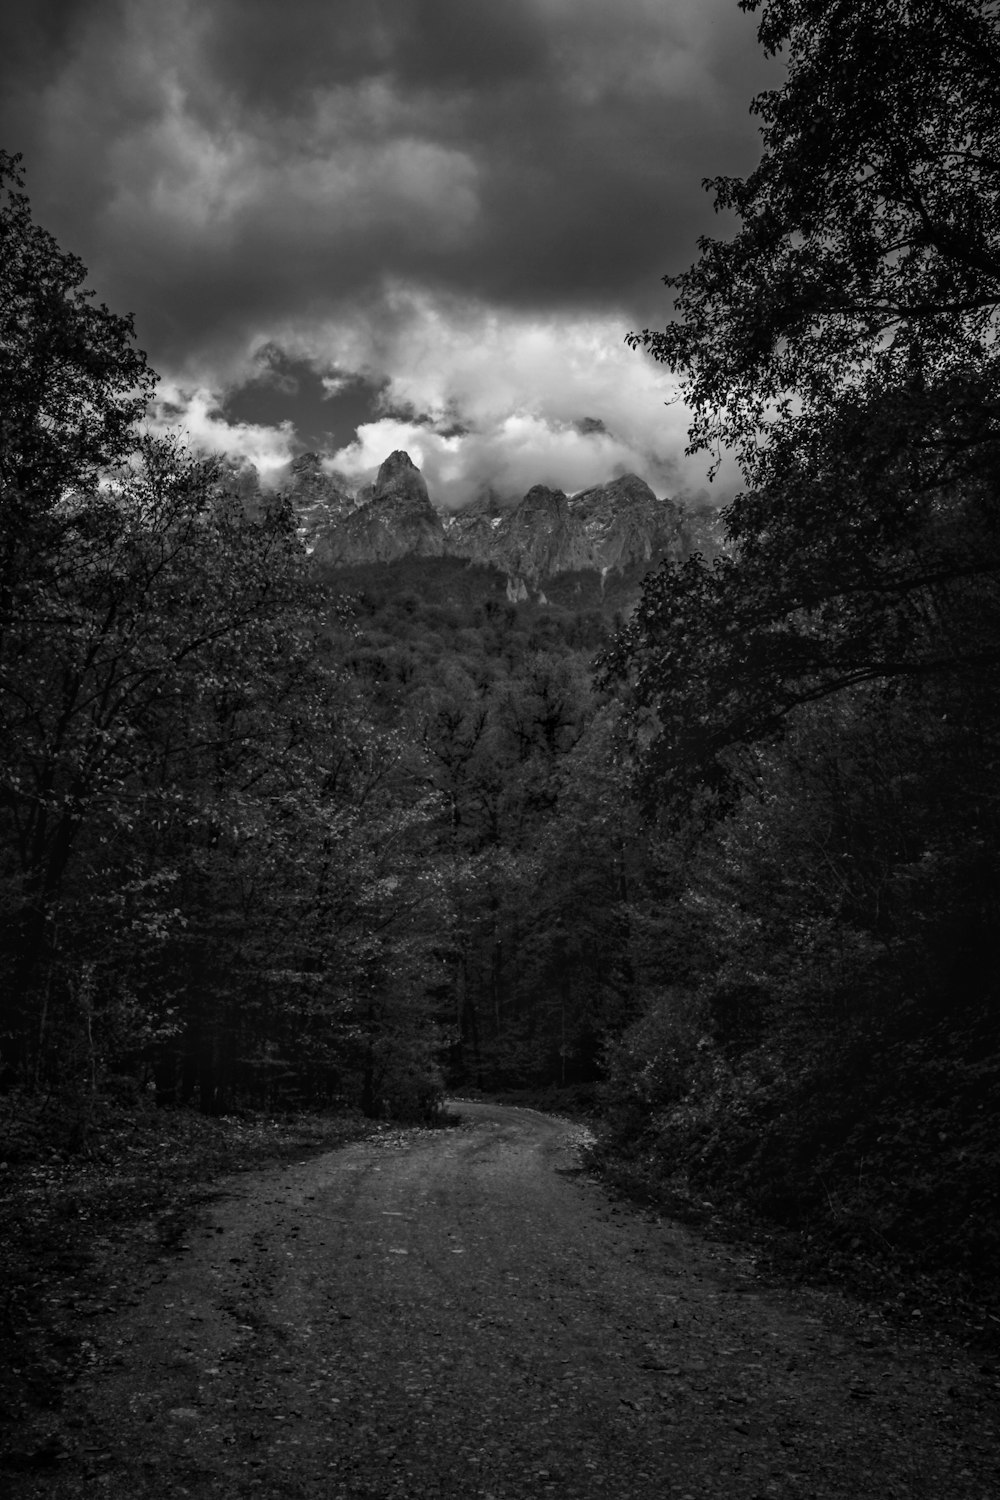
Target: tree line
813 723
205 877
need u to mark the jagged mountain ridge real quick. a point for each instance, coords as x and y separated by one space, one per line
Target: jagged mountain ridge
617 527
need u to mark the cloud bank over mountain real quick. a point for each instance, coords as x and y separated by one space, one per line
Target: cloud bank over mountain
459 209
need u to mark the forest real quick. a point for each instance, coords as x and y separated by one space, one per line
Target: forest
723 869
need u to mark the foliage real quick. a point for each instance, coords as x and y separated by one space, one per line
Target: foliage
73 384
530 836
843 345
834 1065
196 811
866 258
813 721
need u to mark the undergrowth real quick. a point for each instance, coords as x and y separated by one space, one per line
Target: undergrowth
884 1179
78 1213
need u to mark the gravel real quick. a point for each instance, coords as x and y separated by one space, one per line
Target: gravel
465 1313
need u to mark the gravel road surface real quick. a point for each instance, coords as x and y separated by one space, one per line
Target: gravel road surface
466 1314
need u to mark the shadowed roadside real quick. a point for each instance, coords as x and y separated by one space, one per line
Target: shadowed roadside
459 1313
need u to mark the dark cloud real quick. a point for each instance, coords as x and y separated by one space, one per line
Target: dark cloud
44 36
586 165
311 178
325 414
271 59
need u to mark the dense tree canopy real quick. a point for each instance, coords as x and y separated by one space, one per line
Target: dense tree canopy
818 713
208 866
867 255
73 382
843 344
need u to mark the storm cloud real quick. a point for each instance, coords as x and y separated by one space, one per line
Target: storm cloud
383 223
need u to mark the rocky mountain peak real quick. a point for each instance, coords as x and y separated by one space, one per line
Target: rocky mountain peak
399 472
626 524
543 501
618 527
400 485
306 463
538 537
321 498
391 519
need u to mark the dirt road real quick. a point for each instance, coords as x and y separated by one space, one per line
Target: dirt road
464 1314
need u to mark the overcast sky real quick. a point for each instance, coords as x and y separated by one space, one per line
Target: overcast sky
360 225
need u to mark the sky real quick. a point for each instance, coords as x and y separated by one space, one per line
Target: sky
352 226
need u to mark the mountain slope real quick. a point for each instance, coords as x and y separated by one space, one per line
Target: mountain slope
616 528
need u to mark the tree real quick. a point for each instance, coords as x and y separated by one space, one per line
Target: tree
818 712
73 386
73 383
211 854
843 344
126 672
868 252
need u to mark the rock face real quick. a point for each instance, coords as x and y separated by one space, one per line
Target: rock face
320 499
619 527
396 520
539 538
471 533
625 524
615 527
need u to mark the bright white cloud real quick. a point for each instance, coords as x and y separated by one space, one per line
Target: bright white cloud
482 400
504 397
194 413
521 385
507 459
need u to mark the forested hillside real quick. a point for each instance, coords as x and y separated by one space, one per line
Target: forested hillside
280 830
